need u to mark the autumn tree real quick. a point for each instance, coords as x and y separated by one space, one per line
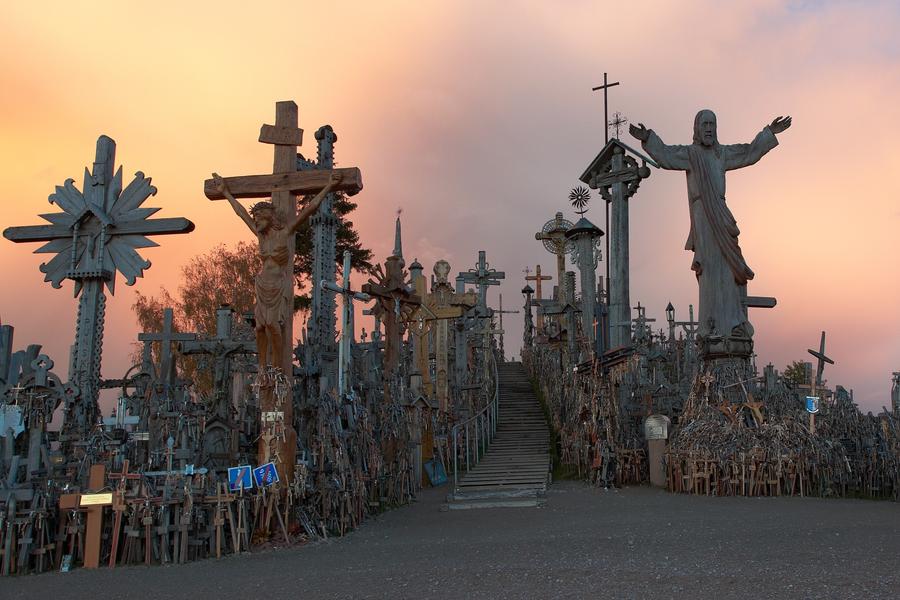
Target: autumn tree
225 275
796 373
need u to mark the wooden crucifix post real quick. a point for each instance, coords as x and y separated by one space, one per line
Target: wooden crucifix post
277 249
537 278
93 504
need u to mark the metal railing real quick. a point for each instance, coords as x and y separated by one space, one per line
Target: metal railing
477 432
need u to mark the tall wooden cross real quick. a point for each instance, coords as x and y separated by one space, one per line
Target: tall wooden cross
605 87
284 184
93 504
537 278
816 382
95 237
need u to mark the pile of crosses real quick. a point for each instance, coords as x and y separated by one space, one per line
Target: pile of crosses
598 408
762 441
203 449
686 407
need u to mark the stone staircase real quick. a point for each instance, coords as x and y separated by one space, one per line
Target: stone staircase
515 470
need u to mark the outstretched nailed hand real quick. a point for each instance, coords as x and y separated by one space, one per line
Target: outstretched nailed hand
640 132
780 124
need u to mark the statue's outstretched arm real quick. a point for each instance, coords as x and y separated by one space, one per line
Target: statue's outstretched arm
237 206
311 208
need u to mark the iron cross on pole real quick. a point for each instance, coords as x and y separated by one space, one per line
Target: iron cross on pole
606 85
348 295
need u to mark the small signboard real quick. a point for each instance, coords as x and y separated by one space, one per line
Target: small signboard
265 475
656 427
95 499
240 478
812 404
437 475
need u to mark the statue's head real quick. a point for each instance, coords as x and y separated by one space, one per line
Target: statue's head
441 271
264 216
705 128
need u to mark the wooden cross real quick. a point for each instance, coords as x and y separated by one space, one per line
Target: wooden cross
119 506
166 338
283 185
821 359
223 512
92 504
537 278
605 87
222 347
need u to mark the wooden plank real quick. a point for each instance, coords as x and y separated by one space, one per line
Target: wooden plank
296 182
281 136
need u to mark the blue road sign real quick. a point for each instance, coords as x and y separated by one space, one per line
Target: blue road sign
240 477
265 475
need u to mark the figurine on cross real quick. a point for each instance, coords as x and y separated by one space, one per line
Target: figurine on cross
272 307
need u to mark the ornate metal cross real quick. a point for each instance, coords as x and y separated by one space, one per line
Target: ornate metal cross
482 277
95 237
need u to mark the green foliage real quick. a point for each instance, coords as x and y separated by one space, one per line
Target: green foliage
346 237
796 373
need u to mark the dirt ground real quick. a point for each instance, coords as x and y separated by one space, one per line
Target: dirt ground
631 543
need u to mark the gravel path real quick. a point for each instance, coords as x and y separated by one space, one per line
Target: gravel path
632 543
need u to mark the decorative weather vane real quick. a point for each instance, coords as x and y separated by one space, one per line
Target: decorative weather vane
618 121
580 197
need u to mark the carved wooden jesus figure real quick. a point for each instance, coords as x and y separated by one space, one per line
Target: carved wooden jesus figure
272 306
722 273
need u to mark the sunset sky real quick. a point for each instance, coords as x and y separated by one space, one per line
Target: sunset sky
476 118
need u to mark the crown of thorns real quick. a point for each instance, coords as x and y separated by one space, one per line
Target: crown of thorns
265 205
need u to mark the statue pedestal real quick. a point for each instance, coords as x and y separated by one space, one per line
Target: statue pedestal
714 347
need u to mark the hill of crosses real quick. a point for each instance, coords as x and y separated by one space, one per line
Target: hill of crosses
272 440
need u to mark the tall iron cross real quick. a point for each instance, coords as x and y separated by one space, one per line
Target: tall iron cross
606 85
482 277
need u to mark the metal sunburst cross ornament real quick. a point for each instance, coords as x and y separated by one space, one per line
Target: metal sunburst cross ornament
94 238
579 197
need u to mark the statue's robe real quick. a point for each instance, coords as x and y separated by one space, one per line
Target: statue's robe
722 273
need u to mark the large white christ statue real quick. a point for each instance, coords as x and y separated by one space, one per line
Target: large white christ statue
722 273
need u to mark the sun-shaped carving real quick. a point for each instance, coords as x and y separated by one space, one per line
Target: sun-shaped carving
580 197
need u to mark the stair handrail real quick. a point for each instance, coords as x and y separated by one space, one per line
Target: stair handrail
485 421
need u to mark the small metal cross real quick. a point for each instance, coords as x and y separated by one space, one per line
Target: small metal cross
618 121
